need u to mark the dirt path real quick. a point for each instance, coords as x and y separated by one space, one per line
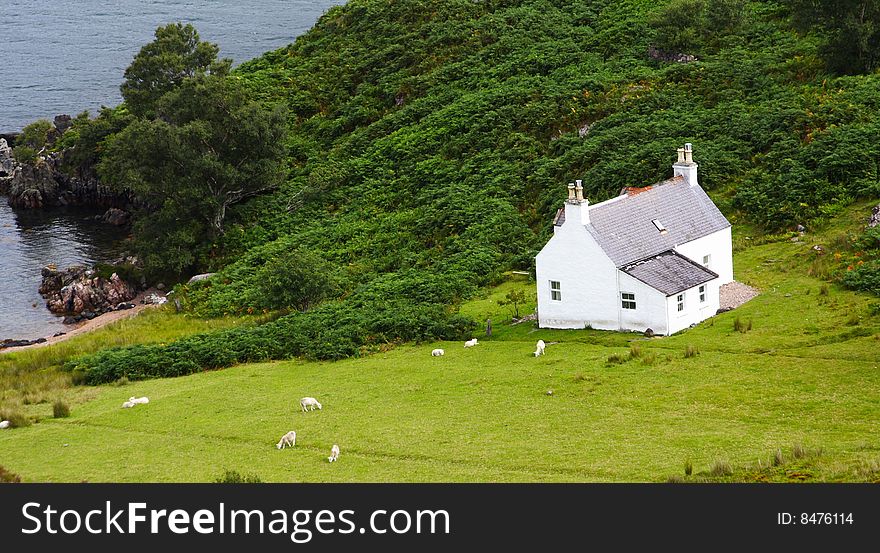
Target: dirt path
94 324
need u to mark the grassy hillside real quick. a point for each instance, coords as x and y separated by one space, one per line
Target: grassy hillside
796 398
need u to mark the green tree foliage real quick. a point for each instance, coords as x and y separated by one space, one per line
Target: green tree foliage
209 148
686 25
176 54
297 279
514 298
32 140
851 28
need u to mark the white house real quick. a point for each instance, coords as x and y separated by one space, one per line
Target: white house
653 257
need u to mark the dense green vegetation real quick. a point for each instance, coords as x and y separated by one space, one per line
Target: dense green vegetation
791 396
429 143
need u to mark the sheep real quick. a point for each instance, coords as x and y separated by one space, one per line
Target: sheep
539 348
334 453
128 405
288 439
137 400
4 424
470 343
437 352
309 404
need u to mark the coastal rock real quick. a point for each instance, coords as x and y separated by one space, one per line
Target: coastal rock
115 216
203 276
33 186
48 181
79 292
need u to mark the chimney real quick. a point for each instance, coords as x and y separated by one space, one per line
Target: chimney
685 166
577 208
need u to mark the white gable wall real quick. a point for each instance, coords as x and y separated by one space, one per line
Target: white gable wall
651 307
718 246
694 310
587 277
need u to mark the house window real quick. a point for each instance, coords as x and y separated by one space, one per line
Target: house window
706 259
680 300
627 300
703 294
555 291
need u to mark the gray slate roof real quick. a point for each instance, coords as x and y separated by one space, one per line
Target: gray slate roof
622 226
669 273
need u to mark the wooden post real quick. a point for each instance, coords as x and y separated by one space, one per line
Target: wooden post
488 327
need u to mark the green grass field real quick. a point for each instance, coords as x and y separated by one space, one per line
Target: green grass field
796 398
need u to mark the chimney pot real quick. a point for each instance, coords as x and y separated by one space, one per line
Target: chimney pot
571 191
579 190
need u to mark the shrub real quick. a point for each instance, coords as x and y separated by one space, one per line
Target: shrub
16 418
616 359
332 331
234 477
635 351
691 351
60 410
778 458
8 477
742 326
721 468
798 451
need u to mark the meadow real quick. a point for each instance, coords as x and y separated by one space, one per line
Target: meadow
794 398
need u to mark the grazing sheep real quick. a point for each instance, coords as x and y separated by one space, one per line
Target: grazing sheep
288 439
539 348
334 453
470 343
128 405
309 404
4 424
437 352
137 400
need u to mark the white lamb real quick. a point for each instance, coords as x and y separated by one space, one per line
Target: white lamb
137 400
470 343
334 453
309 404
288 439
539 348
128 405
437 352
4 424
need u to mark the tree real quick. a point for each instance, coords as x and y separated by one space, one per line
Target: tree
296 279
176 54
209 147
32 140
514 298
851 27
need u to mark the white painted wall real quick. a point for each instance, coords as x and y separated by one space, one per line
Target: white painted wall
719 246
694 311
587 277
651 307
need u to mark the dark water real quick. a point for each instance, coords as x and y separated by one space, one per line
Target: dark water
31 239
64 56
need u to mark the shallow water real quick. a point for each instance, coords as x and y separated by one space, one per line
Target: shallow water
31 239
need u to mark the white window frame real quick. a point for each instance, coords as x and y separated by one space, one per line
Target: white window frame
555 291
679 300
627 302
702 290
707 260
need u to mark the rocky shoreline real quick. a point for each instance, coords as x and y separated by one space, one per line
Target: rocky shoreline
47 181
